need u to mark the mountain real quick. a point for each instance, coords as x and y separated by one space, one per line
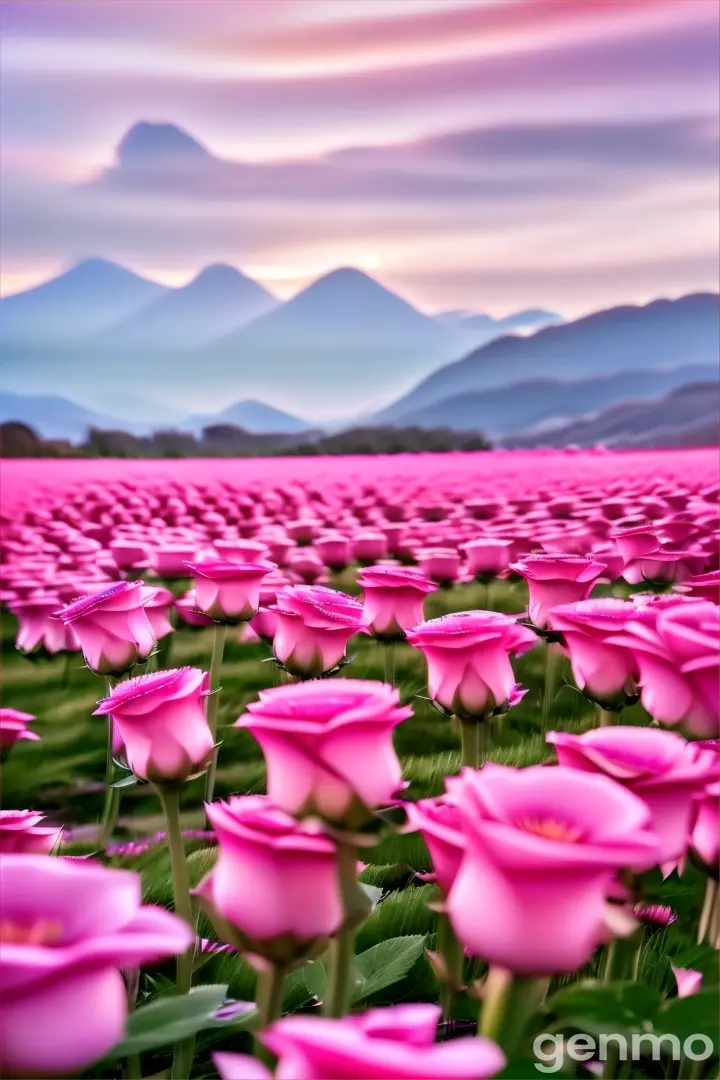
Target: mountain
89 297
220 299
54 417
478 330
689 416
148 142
511 409
253 416
662 334
345 335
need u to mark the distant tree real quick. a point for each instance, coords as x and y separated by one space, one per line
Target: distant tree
18 441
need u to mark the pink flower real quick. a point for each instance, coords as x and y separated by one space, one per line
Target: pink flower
702 586
393 600
605 673
160 718
242 551
676 645
334 550
188 613
369 546
397 1043
306 566
705 838
487 558
328 746
660 767
556 579
158 604
68 926
663 565
440 823
442 565
129 554
468 658
13 726
636 541
22 833
294 899
688 981
229 592
542 848
312 628
170 561
112 627
38 631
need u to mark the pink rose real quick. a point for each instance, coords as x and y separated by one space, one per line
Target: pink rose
13 727
229 592
158 604
129 554
688 981
294 901
605 673
22 833
660 767
440 823
170 561
542 848
328 746
468 658
112 627
393 599
161 720
334 550
702 586
38 631
312 628
242 551
676 645
306 566
556 579
487 558
68 927
188 613
634 542
369 546
442 565
663 565
397 1043
705 837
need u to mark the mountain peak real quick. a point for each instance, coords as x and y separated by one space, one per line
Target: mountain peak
148 142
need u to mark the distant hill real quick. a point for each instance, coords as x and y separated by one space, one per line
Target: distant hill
477 330
54 417
663 334
343 336
89 297
253 416
689 416
511 409
220 299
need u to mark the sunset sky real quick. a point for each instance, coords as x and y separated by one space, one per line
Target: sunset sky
486 154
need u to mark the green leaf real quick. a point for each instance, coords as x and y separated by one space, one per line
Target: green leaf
304 985
386 964
696 1014
171 1018
127 781
595 1007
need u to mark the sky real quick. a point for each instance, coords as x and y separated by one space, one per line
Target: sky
488 155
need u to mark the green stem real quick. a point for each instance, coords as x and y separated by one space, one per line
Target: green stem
709 903
453 955
356 907
486 600
111 805
133 1068
170 799
269 998
508 1004
552 658
213 703
612 1061
606 717
389 663
475 742
621 957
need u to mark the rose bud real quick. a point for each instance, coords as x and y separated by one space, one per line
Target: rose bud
229 592
312 628
22 833
112 627
556 579
14 727
393 600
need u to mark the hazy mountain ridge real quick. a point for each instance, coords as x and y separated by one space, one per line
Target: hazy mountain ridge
662 334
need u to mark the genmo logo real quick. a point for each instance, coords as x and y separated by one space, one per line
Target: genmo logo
554 1050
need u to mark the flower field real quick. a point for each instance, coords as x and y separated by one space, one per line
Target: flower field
341 768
